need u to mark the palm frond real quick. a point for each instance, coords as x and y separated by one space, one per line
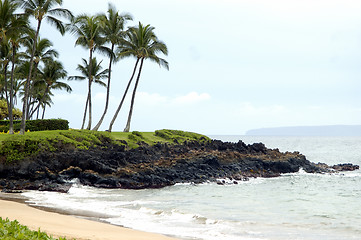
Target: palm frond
57 23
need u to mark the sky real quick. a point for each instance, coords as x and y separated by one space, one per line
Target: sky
234 65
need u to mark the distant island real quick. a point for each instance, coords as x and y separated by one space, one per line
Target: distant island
331 130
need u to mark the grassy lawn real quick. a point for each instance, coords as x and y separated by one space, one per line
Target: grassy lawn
17 147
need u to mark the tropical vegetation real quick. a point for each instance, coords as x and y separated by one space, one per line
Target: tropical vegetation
12 230
30 69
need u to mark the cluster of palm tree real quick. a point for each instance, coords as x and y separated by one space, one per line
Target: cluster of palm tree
106 34
28 63
29 67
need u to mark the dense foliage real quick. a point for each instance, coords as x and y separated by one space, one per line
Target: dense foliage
12 230
4 113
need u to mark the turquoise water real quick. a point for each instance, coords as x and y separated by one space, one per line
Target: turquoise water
293 206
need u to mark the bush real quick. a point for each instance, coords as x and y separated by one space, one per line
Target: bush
4 113
178 136
36 125
136 136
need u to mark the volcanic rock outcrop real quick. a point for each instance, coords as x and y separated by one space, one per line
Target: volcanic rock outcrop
112 166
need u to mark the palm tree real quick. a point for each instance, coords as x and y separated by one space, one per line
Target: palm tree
87 29
43 99
50 77
5 56
142 43
96 76
43 52
113 30
40 10
46 102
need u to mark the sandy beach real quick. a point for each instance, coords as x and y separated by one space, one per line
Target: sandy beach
59 225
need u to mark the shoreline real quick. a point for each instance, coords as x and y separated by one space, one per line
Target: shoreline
59 224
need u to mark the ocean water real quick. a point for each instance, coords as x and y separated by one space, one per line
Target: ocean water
293 206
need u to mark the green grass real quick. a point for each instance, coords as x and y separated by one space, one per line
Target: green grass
17 147
162 136
12 230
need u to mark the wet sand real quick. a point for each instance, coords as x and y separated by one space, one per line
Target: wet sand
59 225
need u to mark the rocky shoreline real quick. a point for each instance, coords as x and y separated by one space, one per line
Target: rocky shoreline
113 166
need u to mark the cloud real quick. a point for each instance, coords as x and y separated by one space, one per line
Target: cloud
248 108
65 97
192 97
151 98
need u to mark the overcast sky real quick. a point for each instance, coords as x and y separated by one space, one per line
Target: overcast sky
235 65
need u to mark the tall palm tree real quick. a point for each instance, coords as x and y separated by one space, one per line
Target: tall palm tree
97 75
142 43
5 58
50 77
87 29
40 10
113 30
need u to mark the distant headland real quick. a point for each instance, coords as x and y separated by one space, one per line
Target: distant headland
330 130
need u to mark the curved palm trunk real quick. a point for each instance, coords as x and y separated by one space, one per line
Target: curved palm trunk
127 127
89 107
37 114
27 85
90 89
31 97
108 92
85 111
42 117
39 104
124 95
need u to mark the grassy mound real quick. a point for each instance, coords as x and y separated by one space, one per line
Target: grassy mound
17 147
12 230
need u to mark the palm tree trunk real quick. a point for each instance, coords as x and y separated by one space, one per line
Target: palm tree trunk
40 102
6 85
89 89
42 117
11 117
85 111
27 85
8 101
108 91
124 95
37 114
31 93
127 127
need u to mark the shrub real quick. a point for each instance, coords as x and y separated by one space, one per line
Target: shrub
12 230
37 125
4 111
136 136
180 136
